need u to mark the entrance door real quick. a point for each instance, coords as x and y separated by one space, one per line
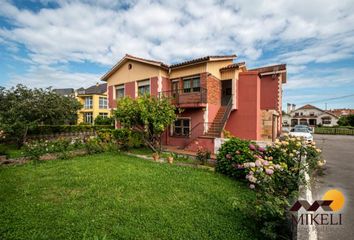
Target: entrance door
226 91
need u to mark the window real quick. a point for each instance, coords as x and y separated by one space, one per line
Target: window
143 87
119 91
104 115
88 103
191 84
181 127
296 114
88 118
312 114
103 103
326 120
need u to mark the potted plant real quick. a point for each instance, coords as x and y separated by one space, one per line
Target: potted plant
170 159
156 156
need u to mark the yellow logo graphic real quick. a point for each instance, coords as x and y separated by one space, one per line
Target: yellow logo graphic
337 197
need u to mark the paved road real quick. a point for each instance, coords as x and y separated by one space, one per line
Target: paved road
338 151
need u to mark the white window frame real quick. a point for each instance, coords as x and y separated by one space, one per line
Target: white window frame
104 115
88 117
88 102
103 103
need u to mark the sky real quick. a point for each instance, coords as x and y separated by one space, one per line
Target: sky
71 44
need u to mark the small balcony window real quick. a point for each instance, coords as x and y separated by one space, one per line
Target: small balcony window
104 115
181 127
191 84
88 103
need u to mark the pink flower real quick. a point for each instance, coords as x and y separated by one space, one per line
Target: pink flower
265 163
228 156
261 149
252 186
258 163
269 171
252 164
252 147
238 152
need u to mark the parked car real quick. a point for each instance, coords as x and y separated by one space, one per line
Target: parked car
305 126
303 132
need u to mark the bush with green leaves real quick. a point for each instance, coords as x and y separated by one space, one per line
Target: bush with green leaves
94 145
121 136
100 120
274 172
233 152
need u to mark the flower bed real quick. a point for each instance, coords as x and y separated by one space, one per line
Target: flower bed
274 172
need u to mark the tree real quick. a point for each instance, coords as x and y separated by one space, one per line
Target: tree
100 120
346 120
148 115
22 108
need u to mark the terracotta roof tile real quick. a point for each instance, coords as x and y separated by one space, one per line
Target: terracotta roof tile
199 60
232 66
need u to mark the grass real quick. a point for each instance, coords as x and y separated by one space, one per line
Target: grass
115 196
11 150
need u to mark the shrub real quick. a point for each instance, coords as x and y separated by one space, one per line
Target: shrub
99 120
3 150
94 145
232 153
53 129
122 135
136 139
105 135
203 154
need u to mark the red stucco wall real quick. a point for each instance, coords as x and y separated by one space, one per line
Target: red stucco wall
269 93
130 89
196 115
154 86
245 122
111 102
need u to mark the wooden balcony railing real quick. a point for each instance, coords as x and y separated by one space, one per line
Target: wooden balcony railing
192 96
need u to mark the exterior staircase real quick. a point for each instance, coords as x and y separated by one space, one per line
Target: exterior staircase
217 125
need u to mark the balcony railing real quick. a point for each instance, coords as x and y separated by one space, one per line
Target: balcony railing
192 96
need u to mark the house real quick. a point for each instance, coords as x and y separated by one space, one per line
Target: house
215 94
67 92
342 112
94 101
309 115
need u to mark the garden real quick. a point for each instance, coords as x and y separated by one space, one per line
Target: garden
120 183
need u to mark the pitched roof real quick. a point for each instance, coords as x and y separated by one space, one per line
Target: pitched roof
64 91
279 68
233 66
95 89
203 59
309 106
131 57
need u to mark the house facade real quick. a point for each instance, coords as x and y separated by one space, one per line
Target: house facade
95 103
215 94
309 115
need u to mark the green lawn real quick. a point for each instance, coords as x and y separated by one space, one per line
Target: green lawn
114 196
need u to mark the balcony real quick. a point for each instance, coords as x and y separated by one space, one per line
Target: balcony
187 98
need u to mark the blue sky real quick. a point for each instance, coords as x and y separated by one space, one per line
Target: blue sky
69 43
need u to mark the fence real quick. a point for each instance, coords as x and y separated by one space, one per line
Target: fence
334 131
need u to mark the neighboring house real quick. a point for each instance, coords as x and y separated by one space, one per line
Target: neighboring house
342 112
94 101
215 94
67 92
310 115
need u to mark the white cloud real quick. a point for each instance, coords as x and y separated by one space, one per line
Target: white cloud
102 31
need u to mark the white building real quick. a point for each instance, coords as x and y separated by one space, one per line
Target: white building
308 115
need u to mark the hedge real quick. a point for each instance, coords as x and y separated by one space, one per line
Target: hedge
53 129
335 131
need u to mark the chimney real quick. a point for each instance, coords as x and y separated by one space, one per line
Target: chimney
293 107
288 108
